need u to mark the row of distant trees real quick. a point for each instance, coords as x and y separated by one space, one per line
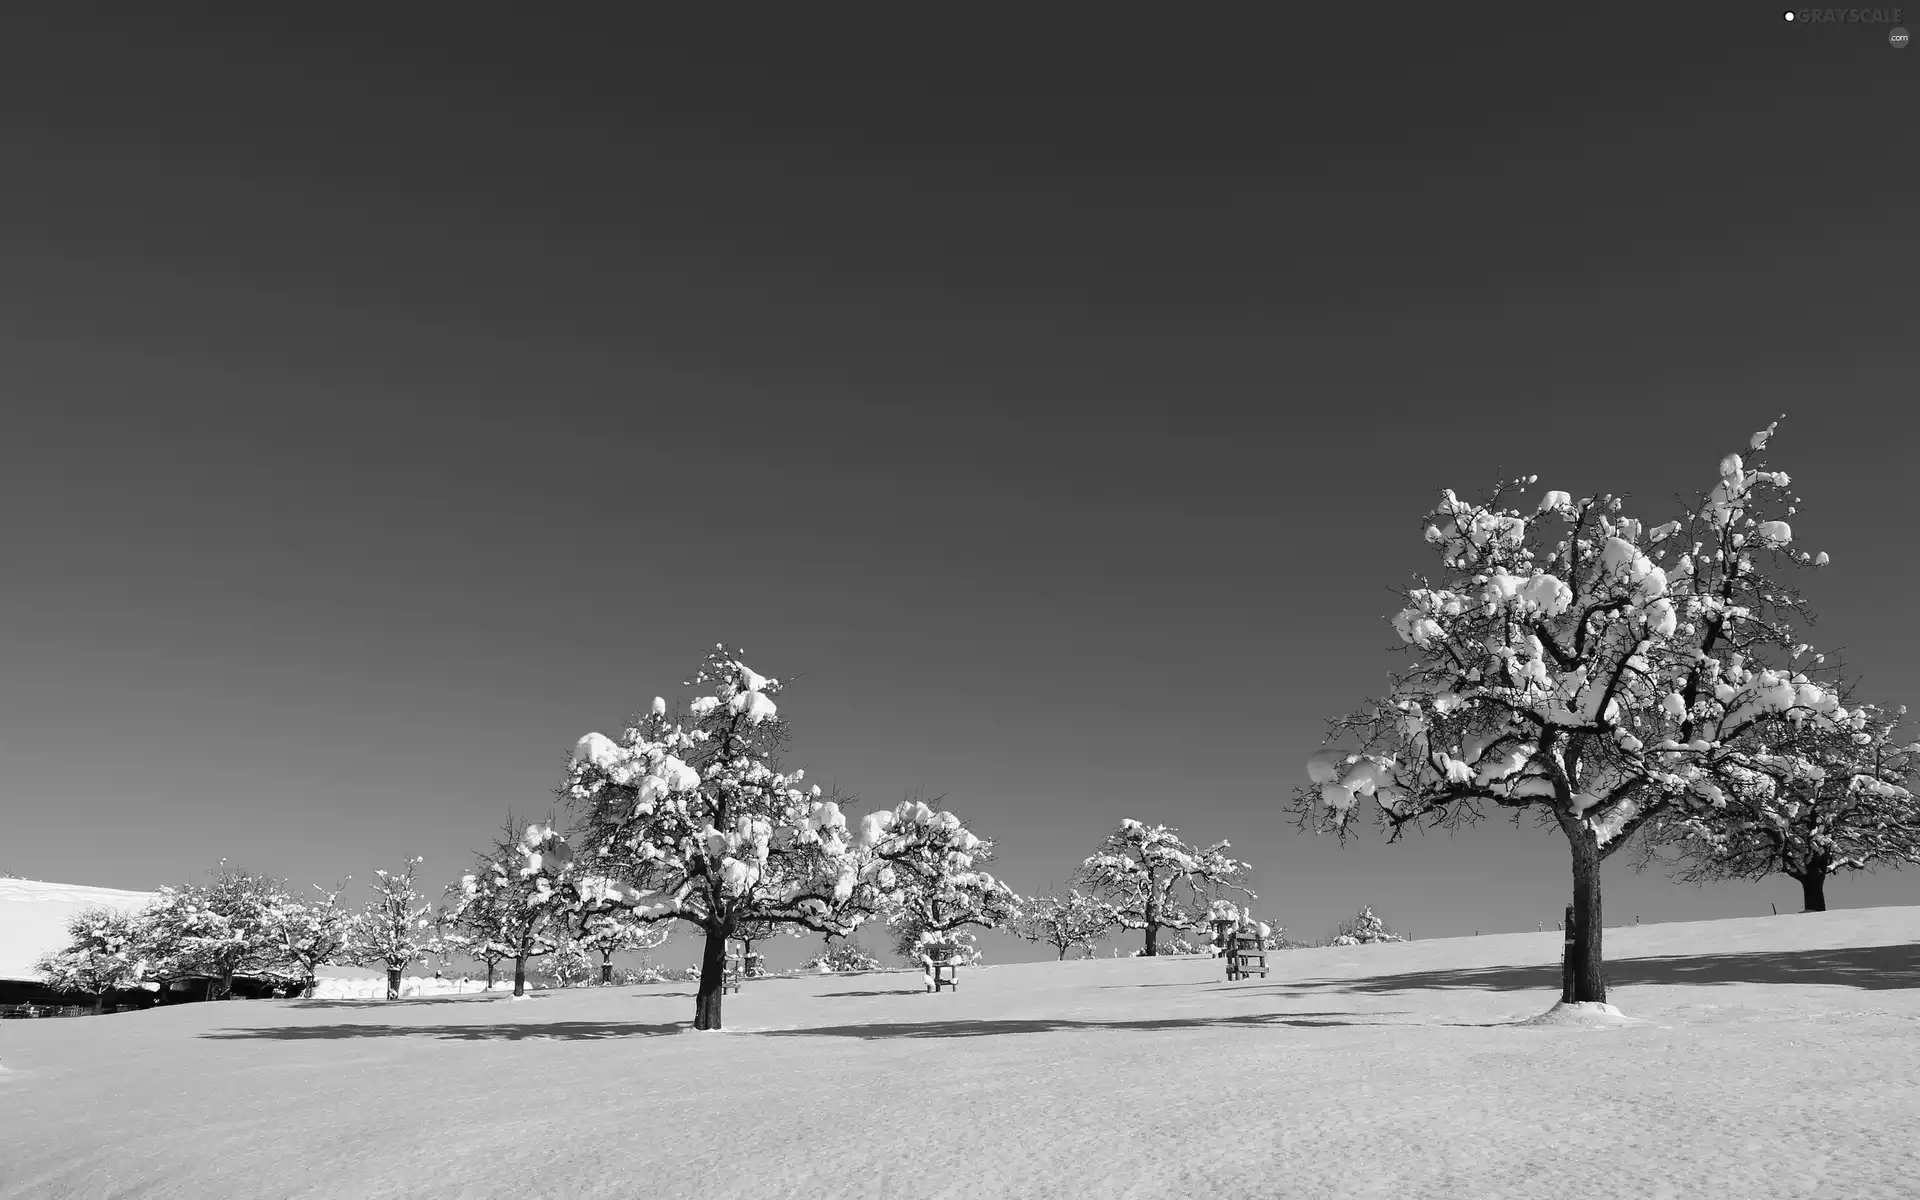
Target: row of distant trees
1628 683
685 820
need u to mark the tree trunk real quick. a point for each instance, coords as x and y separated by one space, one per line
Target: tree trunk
99 1002
1589 966
223 986
491 964
713 969
1153 939
393 983
1063 954
1813 889
307 987
606 969
520 976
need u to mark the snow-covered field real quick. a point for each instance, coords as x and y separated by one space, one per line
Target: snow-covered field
1774 1056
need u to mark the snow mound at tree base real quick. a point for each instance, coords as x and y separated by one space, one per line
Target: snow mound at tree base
1585 1013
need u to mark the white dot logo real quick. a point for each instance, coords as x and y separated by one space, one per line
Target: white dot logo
1897 39
1789 14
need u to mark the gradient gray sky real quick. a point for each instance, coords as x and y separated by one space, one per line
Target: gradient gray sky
388 405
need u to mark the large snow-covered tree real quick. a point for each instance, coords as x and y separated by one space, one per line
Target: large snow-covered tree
1065 922
103 953
394 929
519 897
1153 880
309 933
1585 665
1815 800
694 815
218 929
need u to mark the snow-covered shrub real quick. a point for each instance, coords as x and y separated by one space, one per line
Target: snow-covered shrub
1365 929
841 958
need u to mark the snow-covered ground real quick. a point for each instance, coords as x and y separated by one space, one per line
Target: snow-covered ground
1774 1056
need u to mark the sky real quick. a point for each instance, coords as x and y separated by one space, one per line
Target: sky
1055 406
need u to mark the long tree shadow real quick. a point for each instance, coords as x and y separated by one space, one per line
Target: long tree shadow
409 1001
1874 968
992 1028
918 991
556 1031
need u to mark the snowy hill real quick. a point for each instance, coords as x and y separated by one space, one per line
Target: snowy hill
34 915
1767 1057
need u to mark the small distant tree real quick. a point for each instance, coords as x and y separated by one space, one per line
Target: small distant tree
102 954
612 930
394 929
1063 923
310 933
1365 929
1153 880
754 933
1812 801
222 928
569 964
520 897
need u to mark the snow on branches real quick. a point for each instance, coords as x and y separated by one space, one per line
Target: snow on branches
1577 661
1152 880
104 952
1808 801
920 866
516 903
395 927
1570 657
1065 922
688 817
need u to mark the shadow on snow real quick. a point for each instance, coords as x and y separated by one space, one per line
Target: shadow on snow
1873 968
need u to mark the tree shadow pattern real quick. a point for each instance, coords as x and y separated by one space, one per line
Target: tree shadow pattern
1867 967
1872 968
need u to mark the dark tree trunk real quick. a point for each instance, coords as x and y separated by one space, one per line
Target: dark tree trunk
1153 939
491 964
520 976
713 969
307 986
1813 889
222 986
1589 966
1063 954
99 1002
606 969
393 983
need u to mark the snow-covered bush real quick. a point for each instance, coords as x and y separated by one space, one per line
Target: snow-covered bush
1365 929
1152 880
840 958
1592 667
